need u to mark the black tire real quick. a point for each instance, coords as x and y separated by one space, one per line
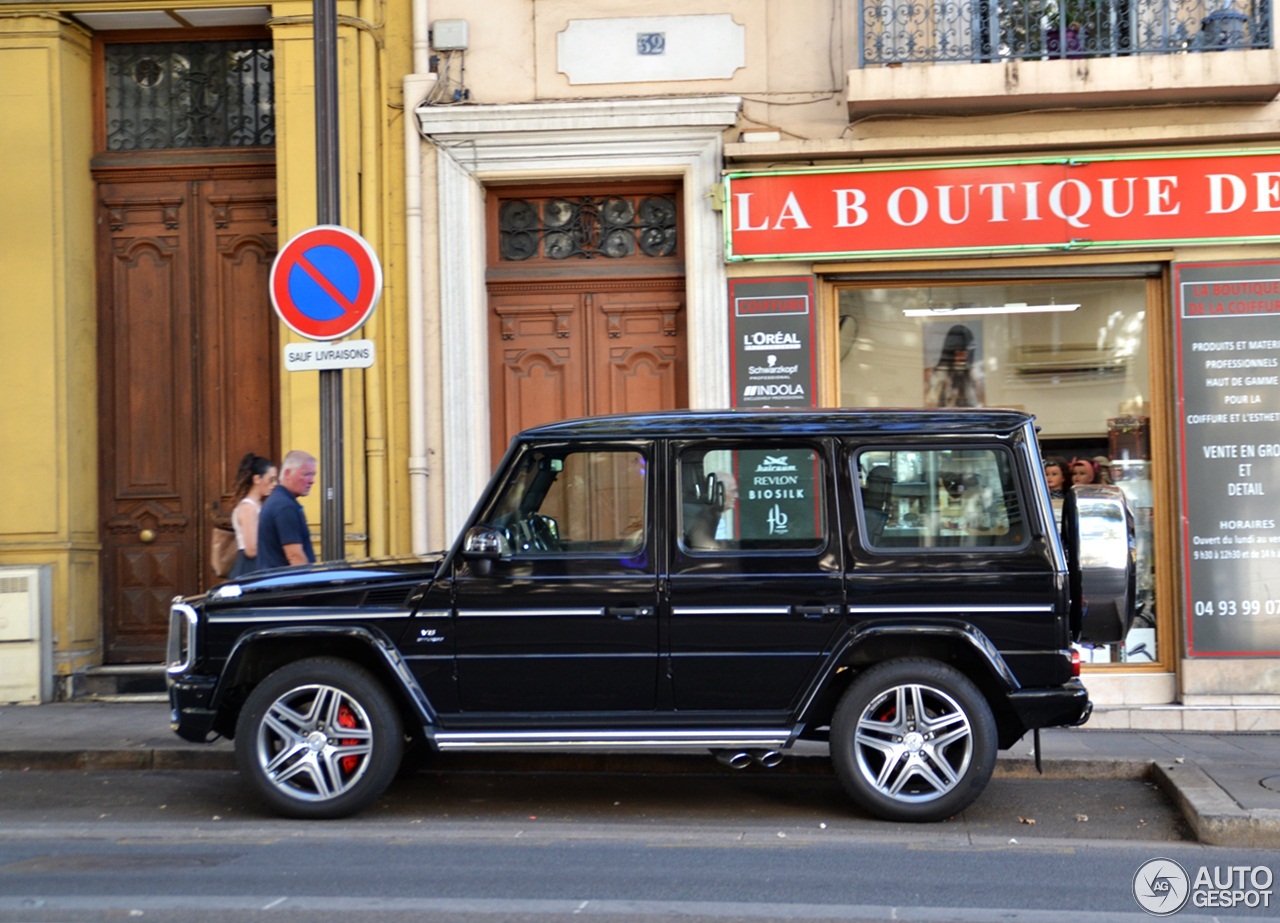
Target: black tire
319 738
913 740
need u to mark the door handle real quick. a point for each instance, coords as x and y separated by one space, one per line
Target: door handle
630 612
816 612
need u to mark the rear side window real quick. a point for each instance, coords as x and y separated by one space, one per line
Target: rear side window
766 498
945 499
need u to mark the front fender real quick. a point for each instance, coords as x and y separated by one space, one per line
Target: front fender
363 645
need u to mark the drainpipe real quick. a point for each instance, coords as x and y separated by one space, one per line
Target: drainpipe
421 38
373 170
416 87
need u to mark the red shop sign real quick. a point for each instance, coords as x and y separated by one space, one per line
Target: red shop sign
1004 206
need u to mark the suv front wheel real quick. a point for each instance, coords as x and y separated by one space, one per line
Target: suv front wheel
913 740
319 738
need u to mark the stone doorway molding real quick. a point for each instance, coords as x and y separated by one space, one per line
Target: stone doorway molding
590 139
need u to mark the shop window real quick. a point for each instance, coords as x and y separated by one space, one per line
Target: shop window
1072 352
938 499
769 498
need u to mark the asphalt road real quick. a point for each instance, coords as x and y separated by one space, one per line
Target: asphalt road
488 847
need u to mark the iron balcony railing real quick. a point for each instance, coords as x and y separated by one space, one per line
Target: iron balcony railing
937 31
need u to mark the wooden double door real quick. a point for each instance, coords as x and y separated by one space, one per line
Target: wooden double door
188 372
576 348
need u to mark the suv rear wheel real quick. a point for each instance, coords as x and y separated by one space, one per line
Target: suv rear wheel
319 738
913 740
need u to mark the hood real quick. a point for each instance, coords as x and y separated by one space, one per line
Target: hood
332 574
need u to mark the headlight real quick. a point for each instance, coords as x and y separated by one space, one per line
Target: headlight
181 651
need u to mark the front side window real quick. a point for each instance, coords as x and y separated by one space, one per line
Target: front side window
766 498
943 499
564 501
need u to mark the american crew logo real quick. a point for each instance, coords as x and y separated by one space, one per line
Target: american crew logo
775 463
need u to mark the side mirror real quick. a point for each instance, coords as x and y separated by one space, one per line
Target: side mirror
483 545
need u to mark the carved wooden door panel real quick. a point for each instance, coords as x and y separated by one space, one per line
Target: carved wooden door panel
238 401
537 372
187 359
572 351
147 346
638 349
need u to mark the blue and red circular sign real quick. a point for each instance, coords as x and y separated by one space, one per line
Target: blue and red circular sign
325 282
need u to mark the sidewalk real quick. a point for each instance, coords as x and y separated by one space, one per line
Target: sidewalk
1227 785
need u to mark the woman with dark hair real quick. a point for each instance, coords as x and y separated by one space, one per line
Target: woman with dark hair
255 479
956 381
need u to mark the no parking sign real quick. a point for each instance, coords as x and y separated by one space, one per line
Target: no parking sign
325 282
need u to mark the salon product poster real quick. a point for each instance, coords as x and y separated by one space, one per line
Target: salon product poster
1228 347
778 495
771 324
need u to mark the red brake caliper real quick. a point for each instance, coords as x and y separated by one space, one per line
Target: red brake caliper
348 720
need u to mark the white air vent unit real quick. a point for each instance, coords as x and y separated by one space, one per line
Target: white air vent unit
1076 359
26 652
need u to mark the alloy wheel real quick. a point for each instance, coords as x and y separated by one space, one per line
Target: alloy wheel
913 743
314 742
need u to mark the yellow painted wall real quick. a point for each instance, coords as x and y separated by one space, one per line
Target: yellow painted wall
388 49
370 151
48 366
48 350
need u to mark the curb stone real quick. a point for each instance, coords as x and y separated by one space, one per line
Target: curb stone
1215 817
1114 770
104 760
222 758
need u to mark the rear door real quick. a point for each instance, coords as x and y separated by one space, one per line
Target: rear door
756 590
944 533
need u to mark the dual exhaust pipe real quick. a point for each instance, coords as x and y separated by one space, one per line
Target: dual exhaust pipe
741 759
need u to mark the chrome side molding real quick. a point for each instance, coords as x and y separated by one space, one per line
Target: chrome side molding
657 739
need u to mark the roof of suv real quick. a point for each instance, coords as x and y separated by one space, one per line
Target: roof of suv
978 421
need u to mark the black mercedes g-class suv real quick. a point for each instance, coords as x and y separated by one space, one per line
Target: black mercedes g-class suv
889 581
